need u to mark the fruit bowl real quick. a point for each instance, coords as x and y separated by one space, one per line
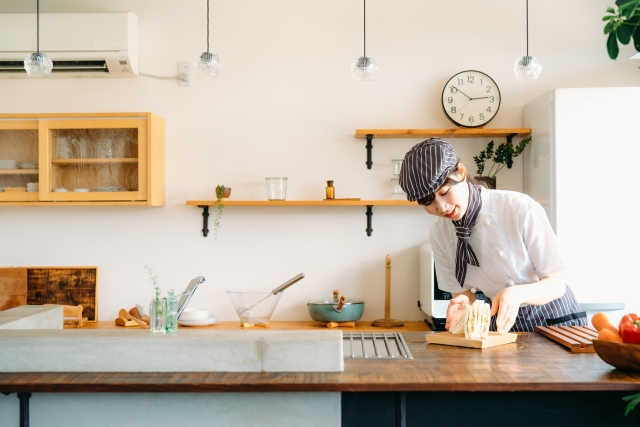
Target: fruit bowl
620 355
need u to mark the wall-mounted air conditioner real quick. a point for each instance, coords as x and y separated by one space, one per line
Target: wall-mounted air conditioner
79 44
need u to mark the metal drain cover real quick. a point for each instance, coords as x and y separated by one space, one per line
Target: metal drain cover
375 345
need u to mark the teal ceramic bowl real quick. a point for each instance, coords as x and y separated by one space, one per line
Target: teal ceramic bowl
327 310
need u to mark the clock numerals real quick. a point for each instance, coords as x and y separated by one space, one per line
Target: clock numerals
468 92
471 119
460 82
453 109
461 117
449 100
470 79
491 99
454 89
488 89
489 110
481 115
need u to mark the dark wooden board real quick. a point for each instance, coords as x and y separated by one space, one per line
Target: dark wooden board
533 363
65 286
13 287
578 339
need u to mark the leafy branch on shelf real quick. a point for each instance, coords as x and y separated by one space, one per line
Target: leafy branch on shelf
501 156
154 281
622 25
219 207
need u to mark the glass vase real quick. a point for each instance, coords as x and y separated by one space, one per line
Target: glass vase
170 313
156 316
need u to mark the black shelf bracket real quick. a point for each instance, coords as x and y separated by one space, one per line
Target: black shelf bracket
205 220
369 215
369 147
24 409
510 142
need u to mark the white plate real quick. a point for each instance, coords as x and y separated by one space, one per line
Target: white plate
198 322
195 314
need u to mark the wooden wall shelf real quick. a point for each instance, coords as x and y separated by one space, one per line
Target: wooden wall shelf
204 204
369 134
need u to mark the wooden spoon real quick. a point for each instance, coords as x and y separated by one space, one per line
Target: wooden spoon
135 313
123 313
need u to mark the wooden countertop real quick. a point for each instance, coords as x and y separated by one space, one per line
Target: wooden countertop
533 363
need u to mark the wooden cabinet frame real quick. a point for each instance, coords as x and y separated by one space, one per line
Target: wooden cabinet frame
149 160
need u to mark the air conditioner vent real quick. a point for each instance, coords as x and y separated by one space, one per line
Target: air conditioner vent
59 66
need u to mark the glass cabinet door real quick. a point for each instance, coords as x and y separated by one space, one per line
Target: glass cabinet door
94 160
19 160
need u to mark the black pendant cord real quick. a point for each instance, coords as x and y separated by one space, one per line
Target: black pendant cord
527 27
365 28
208 26
38 23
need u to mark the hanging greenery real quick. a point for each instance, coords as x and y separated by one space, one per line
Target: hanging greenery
622 25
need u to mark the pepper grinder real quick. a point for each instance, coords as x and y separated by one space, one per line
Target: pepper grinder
331 194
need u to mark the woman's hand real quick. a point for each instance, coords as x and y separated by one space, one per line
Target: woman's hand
456 310
506 304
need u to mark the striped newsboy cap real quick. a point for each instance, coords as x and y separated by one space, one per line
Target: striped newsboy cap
425 167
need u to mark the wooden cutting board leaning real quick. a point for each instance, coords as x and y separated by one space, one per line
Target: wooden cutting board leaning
494 339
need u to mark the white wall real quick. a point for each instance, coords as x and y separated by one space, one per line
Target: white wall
285 105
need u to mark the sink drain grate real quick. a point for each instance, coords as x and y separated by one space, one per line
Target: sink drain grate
384 345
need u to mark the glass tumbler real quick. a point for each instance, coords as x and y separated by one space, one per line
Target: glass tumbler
395 186
396 165
276 188
156 316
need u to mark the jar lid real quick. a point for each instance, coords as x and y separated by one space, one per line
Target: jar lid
331 301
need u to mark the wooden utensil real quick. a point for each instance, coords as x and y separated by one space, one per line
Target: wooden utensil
494 339
124 322
134 313
387 322
13 287
123 313
578 339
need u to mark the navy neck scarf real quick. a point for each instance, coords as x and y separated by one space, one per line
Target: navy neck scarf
464 252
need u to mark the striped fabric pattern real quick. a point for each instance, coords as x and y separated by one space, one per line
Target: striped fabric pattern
536 315
425 167
464 251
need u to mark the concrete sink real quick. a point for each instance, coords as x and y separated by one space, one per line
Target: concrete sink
79 350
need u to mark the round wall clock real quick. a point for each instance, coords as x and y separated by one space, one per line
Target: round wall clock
471 99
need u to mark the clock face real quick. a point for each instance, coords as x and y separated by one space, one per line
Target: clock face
471 99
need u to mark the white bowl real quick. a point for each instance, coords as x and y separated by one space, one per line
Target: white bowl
194 313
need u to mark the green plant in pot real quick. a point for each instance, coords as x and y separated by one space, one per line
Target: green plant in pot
500 157
222 193
622 26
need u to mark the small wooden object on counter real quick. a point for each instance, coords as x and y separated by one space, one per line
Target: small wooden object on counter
579 339
387 322
13 287
254 325
494 339
332 325
123 313
134 313
124 322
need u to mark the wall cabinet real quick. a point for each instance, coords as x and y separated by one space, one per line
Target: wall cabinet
82 159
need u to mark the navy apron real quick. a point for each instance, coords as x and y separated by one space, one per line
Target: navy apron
564 311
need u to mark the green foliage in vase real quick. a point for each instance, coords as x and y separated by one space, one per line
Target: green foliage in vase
154 281
622 26
501 156
219 207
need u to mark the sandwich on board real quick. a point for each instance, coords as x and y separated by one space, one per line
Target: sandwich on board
474 323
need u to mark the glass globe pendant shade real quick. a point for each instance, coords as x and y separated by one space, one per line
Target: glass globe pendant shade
38 65
527 68
364 69
208 64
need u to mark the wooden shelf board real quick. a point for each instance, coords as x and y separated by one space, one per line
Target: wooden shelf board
428 133
18 171
78 203
100 160
303 203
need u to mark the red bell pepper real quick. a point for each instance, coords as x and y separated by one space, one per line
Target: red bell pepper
630 329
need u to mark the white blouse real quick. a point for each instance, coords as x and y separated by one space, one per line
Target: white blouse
512 239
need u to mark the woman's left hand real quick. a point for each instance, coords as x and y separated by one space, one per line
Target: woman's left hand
506 304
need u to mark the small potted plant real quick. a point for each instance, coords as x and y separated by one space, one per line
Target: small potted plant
501 156
222 193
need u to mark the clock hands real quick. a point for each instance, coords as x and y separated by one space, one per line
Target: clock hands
470 98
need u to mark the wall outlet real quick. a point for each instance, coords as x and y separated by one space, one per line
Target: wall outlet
185 73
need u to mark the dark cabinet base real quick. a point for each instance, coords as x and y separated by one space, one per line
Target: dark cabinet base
490 409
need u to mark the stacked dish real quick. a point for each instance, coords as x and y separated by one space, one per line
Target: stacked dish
28 165
8 164
107 189
196 317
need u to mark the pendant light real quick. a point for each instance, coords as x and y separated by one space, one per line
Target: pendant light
38 64
527 67
208 63
364 68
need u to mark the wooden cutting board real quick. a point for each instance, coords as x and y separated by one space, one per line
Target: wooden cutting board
494 339
578 339
13 287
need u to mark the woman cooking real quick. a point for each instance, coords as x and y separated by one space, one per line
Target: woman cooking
497 242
